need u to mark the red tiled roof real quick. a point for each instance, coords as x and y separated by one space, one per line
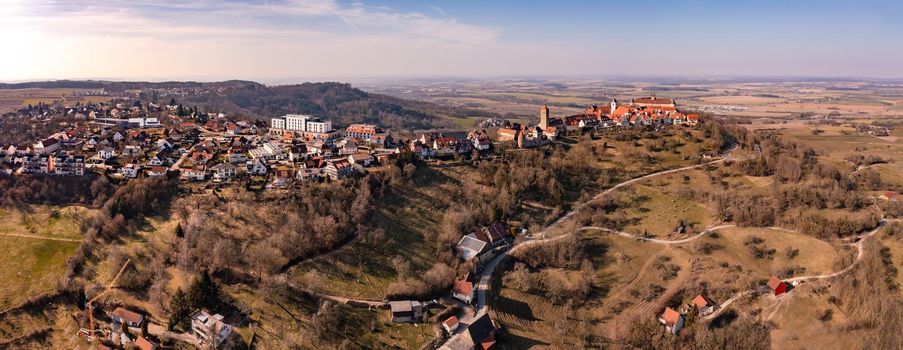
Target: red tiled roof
144 344
127 315
774 282
670 316
451 321
701 301
463 287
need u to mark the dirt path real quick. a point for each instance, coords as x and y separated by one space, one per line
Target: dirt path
860 253
624 288
41 237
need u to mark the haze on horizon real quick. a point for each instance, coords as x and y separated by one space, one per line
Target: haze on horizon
316 39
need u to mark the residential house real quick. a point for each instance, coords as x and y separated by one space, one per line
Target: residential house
347 147
704 304
156 160
482 333
463 291
201 157
778 286
46 146
407 311
224 171
156 171
282 178
237 158
338 169
470 247
495 234
144 344
106 153
258 167
193 173
450 325
129 317
131 170
362 159
209 329
308 174
672 320
131 151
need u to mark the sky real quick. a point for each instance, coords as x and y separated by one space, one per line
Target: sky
307 40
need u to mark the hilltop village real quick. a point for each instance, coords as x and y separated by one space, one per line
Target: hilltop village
130 140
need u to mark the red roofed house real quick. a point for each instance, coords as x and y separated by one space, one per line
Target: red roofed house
130 318
777 286
692 119
672 320
704 304
144 344
463 291
450 325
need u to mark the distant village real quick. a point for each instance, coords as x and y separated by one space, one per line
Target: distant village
126 141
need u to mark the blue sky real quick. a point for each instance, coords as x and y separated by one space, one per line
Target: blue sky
338 39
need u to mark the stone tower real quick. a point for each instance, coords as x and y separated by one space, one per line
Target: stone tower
544 117
614 106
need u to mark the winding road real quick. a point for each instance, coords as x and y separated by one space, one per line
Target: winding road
485 277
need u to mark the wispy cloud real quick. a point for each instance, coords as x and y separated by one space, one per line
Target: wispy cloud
235 20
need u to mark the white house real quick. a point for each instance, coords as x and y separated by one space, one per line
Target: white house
672 320
106 153
210 330
362 159
224 171
194 174
131 171
258 167
463 291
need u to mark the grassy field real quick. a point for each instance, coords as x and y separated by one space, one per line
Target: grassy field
658 214
813 255
35 266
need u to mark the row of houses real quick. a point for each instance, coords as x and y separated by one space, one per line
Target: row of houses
209 329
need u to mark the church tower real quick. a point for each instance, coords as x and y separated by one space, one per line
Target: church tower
614 105
544 117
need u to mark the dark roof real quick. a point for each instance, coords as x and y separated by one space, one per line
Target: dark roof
497 231
482 331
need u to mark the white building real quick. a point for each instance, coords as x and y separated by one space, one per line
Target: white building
301 122
209 329
131 170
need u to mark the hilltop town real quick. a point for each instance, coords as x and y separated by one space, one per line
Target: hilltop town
127 140
632 222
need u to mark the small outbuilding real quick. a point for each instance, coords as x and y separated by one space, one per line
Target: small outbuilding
778 286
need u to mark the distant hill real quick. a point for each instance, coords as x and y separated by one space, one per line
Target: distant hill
339 102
